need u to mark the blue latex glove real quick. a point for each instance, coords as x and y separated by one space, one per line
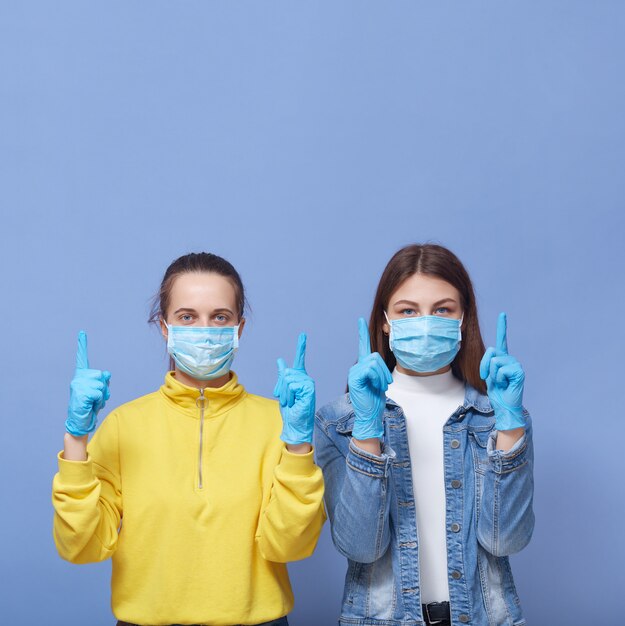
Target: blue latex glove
88 392
504 378
295 391
368 381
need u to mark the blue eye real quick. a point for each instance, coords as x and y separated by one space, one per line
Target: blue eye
442 310
408 312
186 317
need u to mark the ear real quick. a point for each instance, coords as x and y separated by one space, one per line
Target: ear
164 330
241 325
386 328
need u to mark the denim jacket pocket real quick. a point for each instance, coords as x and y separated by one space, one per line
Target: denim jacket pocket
479 449
345 425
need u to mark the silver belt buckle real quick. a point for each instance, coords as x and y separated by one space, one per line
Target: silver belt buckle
427 614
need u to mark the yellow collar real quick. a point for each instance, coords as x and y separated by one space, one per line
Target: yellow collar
219 399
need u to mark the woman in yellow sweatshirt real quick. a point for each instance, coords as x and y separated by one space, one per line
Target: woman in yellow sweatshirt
200 492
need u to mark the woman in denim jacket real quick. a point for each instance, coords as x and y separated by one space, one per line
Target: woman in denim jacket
428 470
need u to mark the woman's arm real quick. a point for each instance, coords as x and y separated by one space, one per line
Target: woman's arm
86 491
75 448
291 522
506 519
356 497
507 438
87 498
357 483
506 516
372 446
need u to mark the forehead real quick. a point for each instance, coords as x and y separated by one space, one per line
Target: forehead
202 290
422 289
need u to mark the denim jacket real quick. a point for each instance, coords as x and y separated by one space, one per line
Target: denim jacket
371 507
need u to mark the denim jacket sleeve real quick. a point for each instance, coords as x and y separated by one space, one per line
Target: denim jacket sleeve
356 495
506 517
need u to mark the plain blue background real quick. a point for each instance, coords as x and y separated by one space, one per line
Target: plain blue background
306 142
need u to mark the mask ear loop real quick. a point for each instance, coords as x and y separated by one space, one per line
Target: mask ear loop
390 334
460 328
170 339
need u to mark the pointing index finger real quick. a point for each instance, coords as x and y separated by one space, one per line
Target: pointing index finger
364 342
299 363
502 333
82 360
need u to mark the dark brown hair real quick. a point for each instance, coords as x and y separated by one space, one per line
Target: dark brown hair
196 262
438 261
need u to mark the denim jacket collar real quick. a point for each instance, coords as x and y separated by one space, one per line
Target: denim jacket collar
473 399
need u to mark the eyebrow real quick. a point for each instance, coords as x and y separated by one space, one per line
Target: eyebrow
187 310
417 304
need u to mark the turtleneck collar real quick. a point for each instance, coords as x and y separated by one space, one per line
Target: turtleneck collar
435 384
220 399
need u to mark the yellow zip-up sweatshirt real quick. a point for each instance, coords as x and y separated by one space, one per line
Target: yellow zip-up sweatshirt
200 515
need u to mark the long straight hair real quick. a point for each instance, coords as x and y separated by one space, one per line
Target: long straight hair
437 261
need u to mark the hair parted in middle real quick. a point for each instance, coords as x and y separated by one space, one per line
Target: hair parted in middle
440 262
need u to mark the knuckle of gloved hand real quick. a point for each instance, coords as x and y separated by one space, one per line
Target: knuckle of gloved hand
355 373
377 358
86 401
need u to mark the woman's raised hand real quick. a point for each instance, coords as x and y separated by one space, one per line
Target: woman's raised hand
504 378
89 391
295 391
368 381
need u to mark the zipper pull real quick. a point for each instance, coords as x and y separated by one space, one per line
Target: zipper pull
201 402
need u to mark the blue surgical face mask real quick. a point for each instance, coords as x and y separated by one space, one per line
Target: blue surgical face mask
425 343
203 352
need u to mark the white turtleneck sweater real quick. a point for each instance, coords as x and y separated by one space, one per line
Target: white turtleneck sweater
427 403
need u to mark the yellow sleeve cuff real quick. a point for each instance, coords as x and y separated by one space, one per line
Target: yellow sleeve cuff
75 472
297 464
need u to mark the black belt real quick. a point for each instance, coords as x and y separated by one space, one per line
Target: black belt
436 612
